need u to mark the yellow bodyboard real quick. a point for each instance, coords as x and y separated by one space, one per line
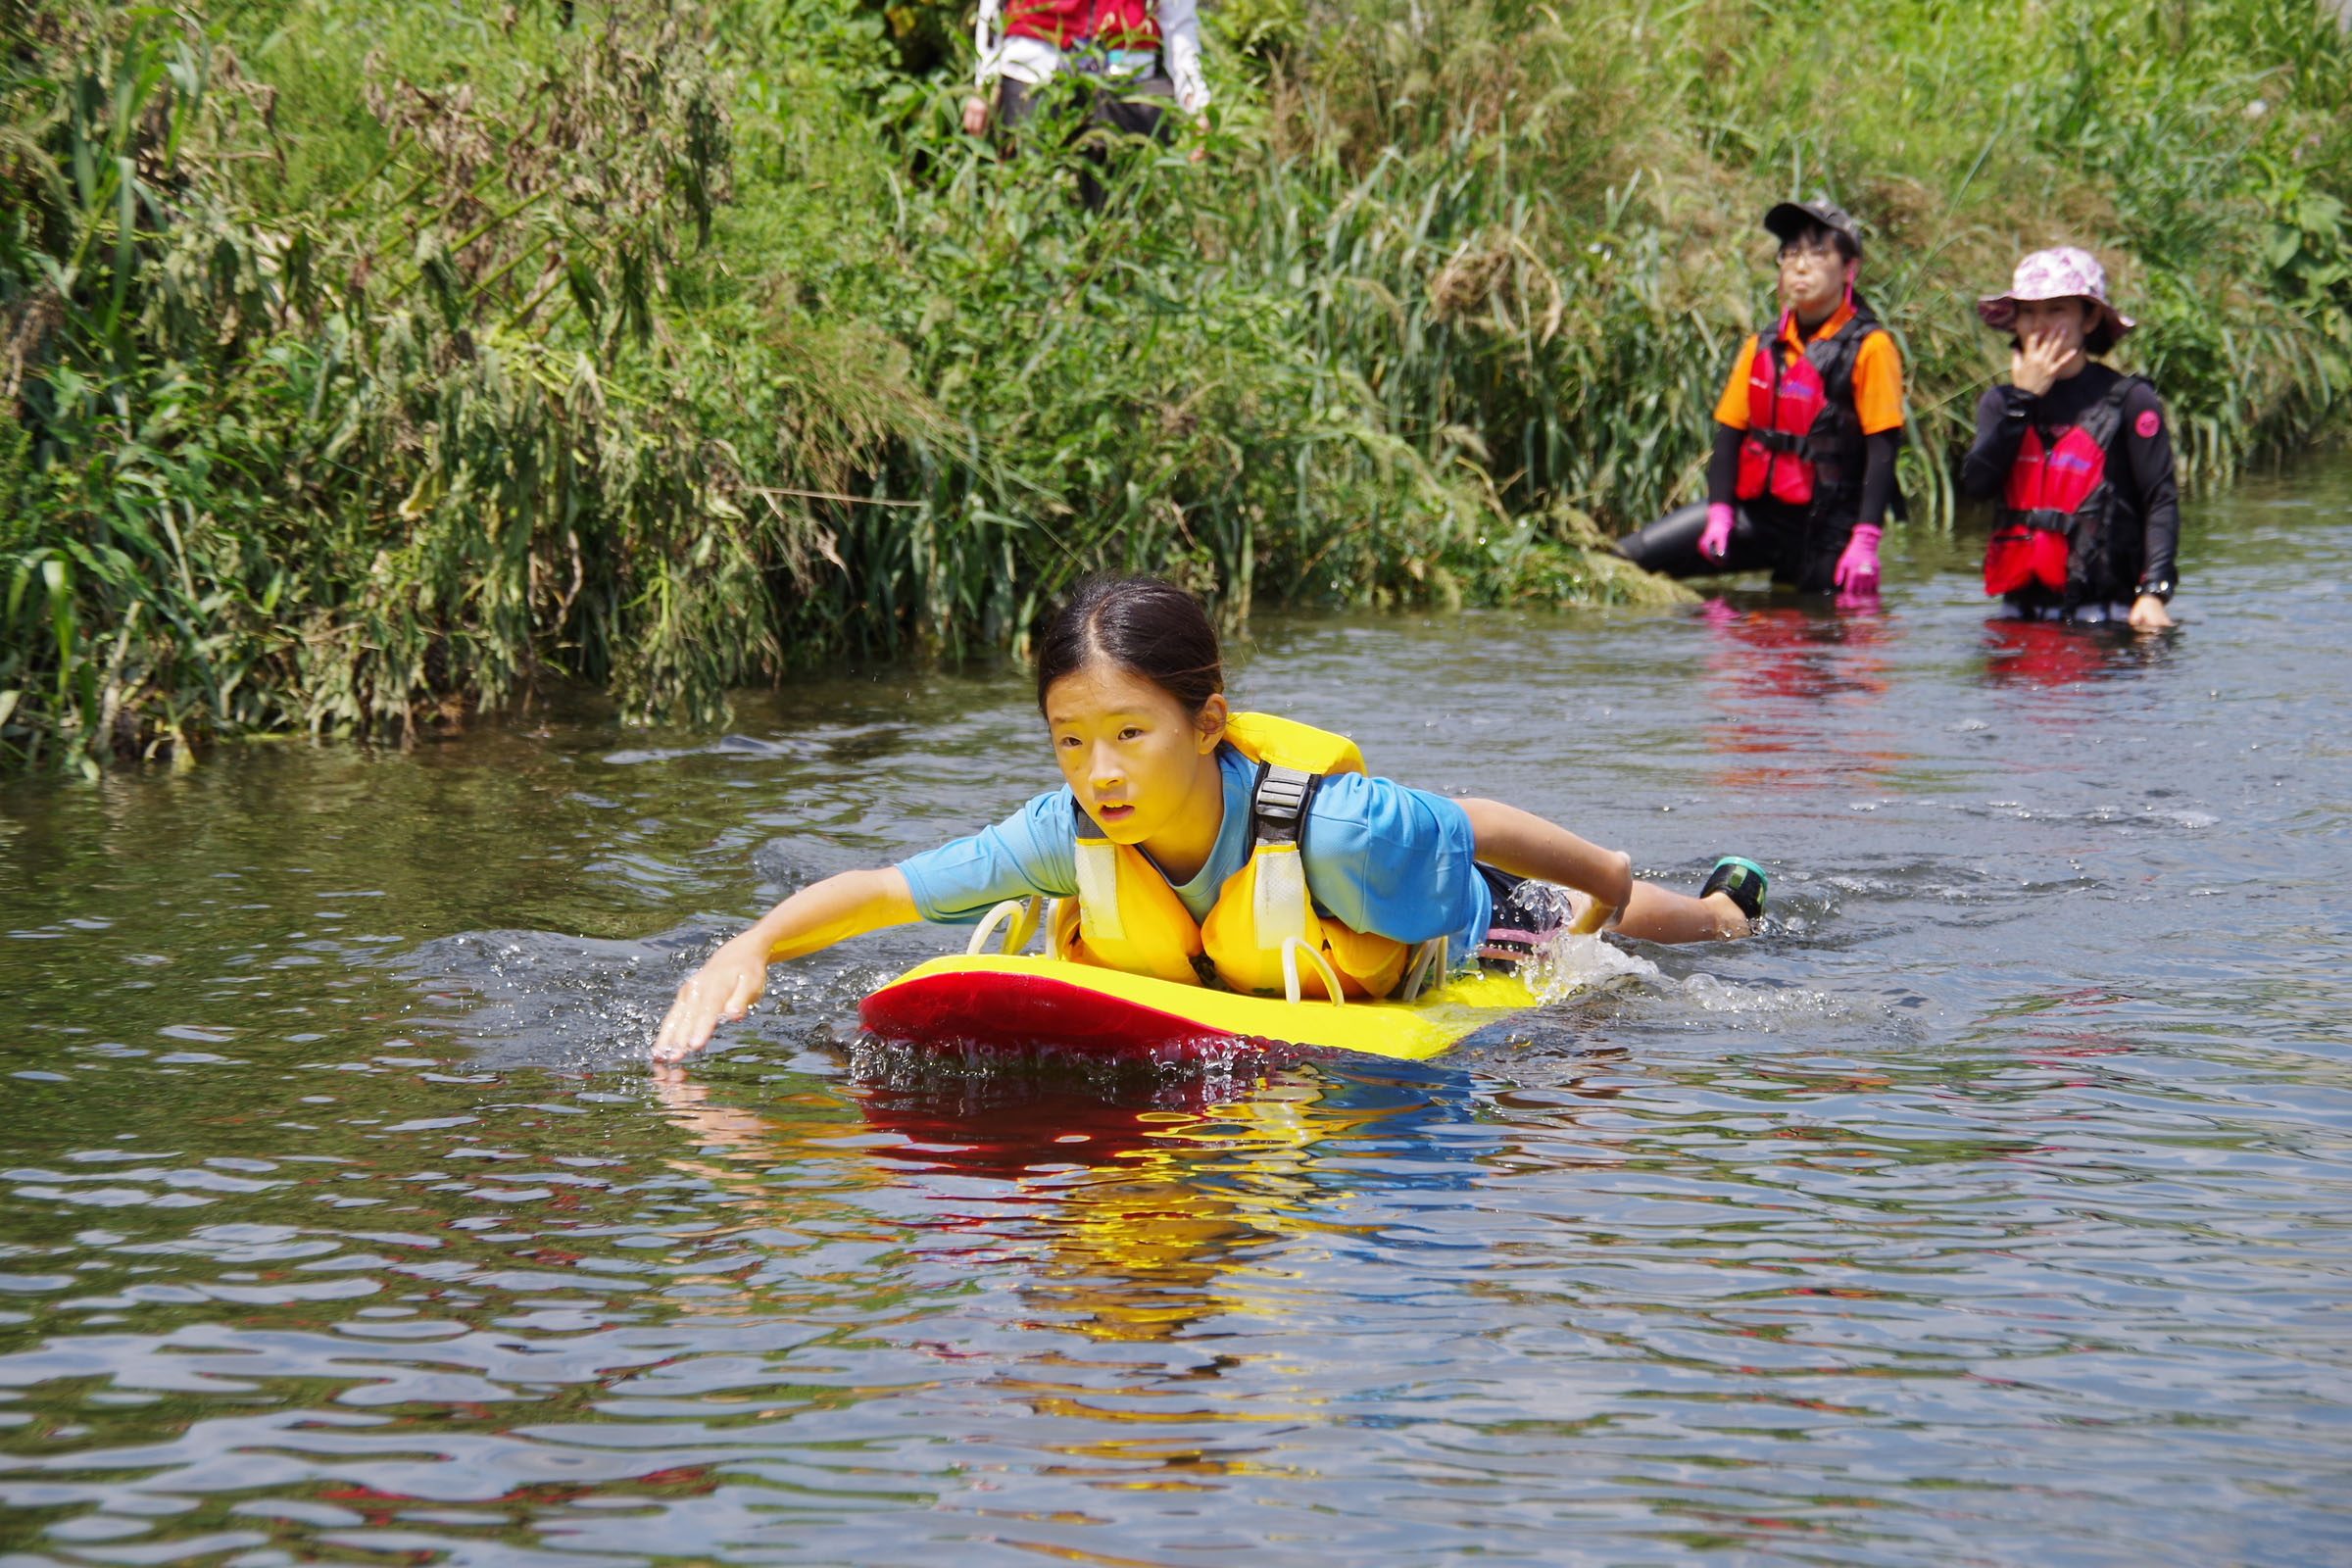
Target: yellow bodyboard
994 999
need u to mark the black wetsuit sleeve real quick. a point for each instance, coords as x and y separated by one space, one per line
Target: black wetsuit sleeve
2002 415
2148 445
1877 475
1723 467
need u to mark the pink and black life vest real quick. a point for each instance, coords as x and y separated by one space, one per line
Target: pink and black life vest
1074 24
2058 504
1803 446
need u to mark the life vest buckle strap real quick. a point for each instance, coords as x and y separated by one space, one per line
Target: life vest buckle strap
1127 916
1098 866
1279 904
1278 806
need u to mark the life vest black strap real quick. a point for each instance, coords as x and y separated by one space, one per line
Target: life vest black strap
1278 804
1834 359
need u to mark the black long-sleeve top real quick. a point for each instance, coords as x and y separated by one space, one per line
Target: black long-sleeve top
2143 538
1877 471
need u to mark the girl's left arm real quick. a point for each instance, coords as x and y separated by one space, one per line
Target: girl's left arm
1526 845
2002 413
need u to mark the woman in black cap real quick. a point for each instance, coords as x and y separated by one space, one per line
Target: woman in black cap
1805 433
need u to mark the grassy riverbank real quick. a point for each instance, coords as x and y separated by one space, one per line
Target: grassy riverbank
375 362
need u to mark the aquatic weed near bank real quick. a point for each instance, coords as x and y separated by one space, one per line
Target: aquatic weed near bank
374 364
320 447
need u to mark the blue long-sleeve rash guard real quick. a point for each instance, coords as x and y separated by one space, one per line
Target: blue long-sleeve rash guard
1380 857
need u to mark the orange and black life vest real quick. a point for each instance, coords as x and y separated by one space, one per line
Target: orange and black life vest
2059 503
1803 446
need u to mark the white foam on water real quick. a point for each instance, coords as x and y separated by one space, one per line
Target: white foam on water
1568 965
1722 995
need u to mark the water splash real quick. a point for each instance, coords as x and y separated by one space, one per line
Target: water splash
1565 964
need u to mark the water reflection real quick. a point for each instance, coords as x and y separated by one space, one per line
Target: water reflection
1786 686
1128 1203
2049 654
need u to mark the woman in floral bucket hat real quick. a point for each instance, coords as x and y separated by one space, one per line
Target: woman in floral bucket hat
2077 454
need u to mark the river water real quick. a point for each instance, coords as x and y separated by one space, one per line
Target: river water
1995 1207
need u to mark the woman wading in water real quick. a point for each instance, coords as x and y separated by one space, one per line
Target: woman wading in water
1806 432
2077 454
1186 839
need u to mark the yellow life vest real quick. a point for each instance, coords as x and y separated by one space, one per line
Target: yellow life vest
1126 917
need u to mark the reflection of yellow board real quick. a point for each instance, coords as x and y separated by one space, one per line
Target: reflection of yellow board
997 1000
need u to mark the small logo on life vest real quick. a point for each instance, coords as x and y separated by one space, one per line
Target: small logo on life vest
2147 424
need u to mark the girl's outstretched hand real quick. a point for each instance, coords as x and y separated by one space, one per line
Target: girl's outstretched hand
723 989
845 904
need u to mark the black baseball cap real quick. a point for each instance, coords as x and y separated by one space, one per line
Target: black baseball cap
1792 218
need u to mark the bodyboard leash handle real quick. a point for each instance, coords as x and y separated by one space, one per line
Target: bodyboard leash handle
1020 918
1428 969
1292 946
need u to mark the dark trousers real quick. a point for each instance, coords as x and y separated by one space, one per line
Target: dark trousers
1785 541
1111 111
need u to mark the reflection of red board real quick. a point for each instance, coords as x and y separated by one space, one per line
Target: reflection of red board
1022 1003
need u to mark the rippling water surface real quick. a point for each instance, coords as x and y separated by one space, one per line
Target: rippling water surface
1991 1209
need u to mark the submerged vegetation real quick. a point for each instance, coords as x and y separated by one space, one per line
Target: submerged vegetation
371 363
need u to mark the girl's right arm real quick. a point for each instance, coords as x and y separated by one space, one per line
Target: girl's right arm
2002 413
820 915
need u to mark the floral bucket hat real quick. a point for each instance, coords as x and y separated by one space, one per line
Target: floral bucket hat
2063 273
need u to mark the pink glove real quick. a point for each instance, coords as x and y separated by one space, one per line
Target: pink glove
1857 574
1717 537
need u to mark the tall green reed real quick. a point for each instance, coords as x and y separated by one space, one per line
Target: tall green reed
411 447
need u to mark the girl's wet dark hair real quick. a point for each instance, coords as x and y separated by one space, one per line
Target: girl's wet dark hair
1144 626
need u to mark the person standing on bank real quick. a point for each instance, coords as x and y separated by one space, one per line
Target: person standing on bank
1135 51
1805 433
2078 455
